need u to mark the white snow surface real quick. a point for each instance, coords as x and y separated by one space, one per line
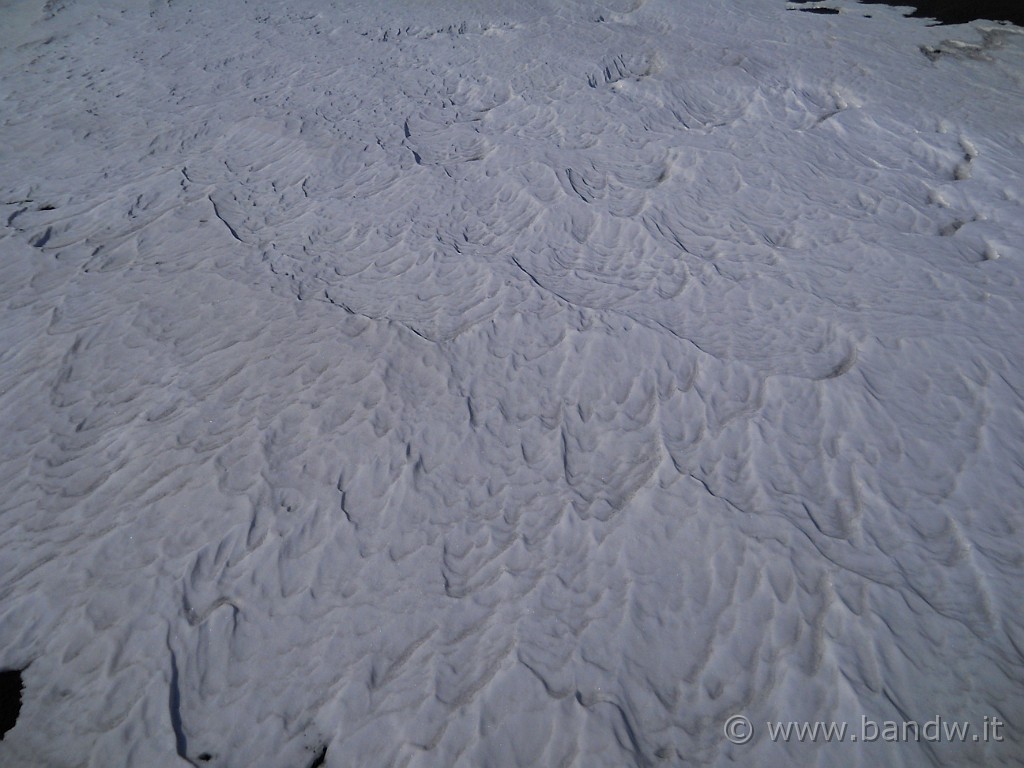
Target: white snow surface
519 383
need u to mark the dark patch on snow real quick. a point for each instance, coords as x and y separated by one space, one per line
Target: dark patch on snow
42 240
320 759
174 707
947 11
10 699
960 12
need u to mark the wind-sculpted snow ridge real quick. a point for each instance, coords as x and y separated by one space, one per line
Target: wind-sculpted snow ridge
512 384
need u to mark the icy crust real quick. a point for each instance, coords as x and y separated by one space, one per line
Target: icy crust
538 385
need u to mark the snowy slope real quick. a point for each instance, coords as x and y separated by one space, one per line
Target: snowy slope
521 383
